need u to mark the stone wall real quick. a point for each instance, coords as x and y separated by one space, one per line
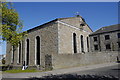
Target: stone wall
76 21
55 38
48 45
74 60
65 35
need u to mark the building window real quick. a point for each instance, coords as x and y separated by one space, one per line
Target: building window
27 51
37 50
74 43
108 46
95 39
118 35
88 44
107 37
95 47
82 24
82 43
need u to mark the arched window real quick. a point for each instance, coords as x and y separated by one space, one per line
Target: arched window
37 53
88 44
19 53
74 43
82 44
27 52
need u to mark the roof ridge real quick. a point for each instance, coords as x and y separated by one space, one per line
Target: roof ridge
107 26
68 17
106 29
110 25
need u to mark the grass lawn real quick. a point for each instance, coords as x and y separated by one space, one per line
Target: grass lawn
21 71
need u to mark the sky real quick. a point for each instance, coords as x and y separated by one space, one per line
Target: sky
63 0
96 14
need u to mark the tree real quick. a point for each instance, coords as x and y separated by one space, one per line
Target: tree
11 28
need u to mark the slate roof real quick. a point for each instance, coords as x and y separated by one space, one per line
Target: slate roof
107 29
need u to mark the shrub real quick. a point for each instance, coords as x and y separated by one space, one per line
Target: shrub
3 61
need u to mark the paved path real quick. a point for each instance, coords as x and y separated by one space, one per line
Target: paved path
59 71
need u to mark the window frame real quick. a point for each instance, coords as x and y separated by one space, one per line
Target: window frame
96 46
107 37
95 39
118 35
74 43
108 48
118 44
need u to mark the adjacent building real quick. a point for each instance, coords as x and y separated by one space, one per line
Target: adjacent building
105 39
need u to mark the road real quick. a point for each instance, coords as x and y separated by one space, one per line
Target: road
102 69
111 70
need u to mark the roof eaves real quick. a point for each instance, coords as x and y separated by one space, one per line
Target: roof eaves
100 32
103 32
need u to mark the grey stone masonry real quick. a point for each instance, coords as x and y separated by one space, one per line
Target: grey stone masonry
55 37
